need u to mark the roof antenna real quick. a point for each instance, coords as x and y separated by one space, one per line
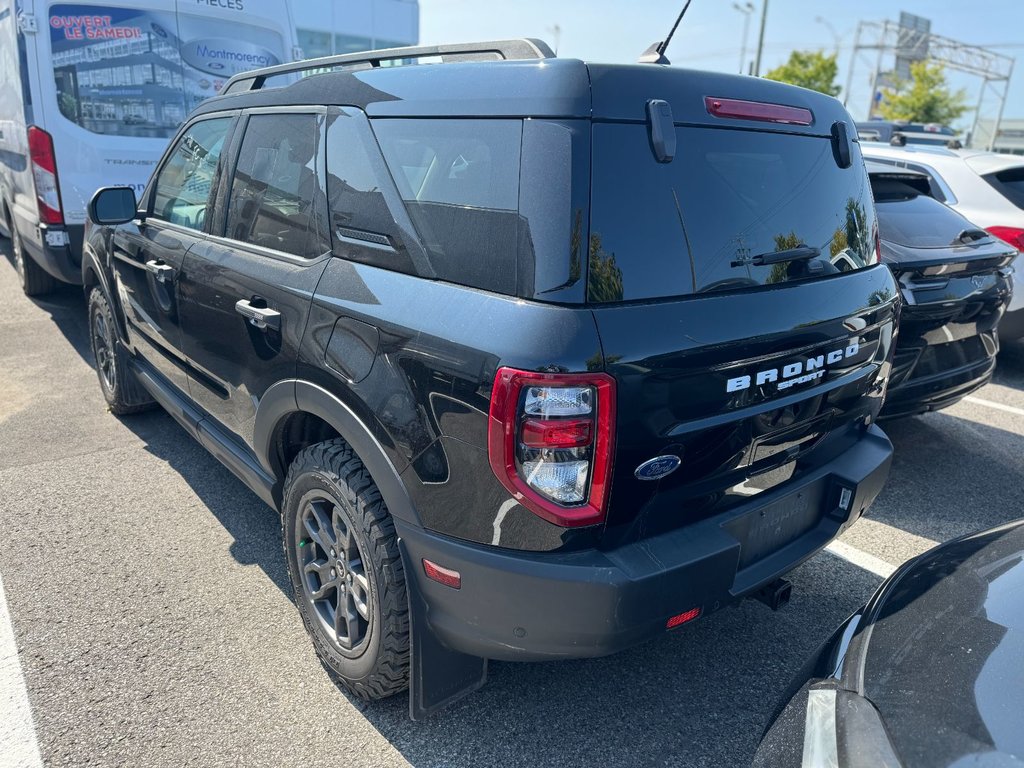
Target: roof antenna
656 53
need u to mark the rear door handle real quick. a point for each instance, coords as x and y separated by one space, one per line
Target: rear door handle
261 317
163 272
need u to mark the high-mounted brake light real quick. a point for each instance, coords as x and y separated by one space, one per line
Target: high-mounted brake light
44 172
758 110
1012 235
550 438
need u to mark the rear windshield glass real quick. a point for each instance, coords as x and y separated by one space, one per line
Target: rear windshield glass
709 219
1010 184
460 183
908 218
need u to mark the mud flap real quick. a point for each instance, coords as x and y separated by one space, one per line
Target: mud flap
438 676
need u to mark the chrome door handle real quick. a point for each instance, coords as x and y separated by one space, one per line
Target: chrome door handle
261 317
162 271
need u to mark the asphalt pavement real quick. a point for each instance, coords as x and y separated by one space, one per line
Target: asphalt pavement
148 595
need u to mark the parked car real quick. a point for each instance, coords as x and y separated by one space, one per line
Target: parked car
956 283
925 134
531 367
927 673
987 188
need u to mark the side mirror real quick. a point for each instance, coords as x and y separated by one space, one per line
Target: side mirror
113 205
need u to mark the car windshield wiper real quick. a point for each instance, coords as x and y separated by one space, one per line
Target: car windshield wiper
970 235
800 253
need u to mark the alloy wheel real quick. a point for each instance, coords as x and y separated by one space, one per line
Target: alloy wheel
103 349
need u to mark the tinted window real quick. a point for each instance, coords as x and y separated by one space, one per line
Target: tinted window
277 197
182 187
700 222
460 182
906 217
358 189
1010 184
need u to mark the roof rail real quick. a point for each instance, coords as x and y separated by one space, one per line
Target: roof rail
522 48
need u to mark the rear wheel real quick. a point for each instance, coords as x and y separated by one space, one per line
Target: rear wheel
121 390
35 281
346 570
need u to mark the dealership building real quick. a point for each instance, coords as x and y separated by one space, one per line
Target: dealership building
327 27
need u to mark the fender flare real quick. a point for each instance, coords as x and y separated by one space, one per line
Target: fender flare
296 396
91 263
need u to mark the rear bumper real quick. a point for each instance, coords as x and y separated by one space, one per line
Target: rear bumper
941 390
527 606
63 262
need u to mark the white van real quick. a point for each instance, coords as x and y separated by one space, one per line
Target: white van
89 95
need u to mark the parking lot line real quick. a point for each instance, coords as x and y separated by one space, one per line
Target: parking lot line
18 745
861 559
997 406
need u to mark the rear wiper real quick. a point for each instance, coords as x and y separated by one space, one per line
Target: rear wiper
800 253
970 235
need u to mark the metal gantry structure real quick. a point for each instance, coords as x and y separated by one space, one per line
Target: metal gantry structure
888 39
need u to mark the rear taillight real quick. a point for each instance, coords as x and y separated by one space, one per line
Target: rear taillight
1013 235
44 171
758 110
550 439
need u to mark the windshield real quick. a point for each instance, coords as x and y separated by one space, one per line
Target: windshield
707 220
133 72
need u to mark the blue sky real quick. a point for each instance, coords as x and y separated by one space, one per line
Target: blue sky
711 34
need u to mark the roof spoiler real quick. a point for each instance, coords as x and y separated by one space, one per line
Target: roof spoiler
523 48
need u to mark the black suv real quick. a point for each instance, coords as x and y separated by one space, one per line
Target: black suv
537 358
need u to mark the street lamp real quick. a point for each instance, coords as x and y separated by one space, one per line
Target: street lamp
746 9
760 40
836 37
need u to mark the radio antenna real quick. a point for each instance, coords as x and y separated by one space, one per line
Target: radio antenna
656 53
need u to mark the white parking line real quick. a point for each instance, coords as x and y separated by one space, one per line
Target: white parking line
18 746
997 406
861 559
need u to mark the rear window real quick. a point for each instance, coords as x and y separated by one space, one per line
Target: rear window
701 222
908 218
460 183
1010 184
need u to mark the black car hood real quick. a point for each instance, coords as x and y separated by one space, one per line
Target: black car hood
942 651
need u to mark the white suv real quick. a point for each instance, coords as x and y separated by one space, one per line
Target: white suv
985 187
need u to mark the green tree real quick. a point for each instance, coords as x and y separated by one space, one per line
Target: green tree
925 98
809 69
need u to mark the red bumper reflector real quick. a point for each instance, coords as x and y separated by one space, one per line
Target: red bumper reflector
682 618
758 110
441 575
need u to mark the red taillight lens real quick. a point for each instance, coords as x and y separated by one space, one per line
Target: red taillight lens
758 110
550 439
1012 235
44 172
442 575
682 618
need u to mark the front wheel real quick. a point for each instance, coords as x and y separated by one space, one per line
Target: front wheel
346 570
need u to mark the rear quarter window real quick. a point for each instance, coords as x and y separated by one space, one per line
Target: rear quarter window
459 180
1010 184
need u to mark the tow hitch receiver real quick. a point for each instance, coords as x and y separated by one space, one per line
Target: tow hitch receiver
776 594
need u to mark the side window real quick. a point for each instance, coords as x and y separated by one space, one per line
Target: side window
358 189
182 188
277 198
460 183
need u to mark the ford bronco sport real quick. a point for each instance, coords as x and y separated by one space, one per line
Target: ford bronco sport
536 358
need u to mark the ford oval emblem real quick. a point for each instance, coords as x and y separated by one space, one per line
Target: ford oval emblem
657 468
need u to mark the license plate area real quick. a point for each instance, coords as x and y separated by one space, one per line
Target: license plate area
764 531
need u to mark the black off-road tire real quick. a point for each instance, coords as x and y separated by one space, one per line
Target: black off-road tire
330 476
120 388
35 281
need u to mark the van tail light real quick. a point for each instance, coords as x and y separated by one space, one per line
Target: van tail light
1012 235
44 172
550 438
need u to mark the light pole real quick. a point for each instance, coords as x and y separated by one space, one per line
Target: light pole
760 40
746 9
836 37
556 32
